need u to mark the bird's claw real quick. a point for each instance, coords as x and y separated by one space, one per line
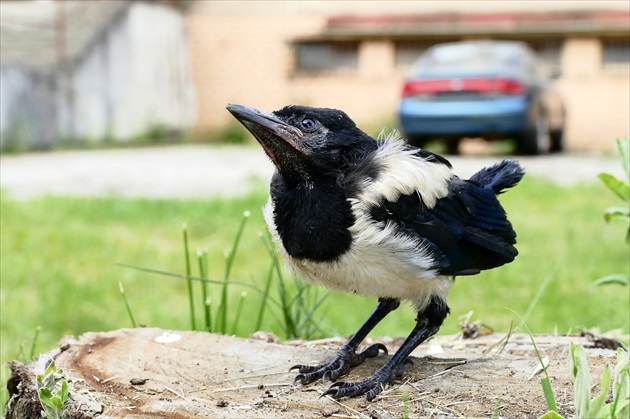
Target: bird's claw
371 387
340 365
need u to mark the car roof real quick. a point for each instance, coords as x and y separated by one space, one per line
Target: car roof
471 58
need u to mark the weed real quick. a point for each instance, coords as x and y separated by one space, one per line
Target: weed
22 355
127 307
191 301
230 254
53 400
297 309
545 382
595 407
497 408
585 407
405 400
622 190
206 301
297 304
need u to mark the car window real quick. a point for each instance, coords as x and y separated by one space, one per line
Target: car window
468 58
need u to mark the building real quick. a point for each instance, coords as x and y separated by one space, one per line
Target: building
355 55
92 71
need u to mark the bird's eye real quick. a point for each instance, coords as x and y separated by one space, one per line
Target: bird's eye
309 123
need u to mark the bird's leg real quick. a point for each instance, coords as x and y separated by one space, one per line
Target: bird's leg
348 357
428 323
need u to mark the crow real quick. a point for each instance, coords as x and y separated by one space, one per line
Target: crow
377 218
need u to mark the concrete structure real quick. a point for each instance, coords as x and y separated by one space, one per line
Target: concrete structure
92 71
355 55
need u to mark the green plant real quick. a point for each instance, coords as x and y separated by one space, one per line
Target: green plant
52 399
230 254
405 400
127 307
297 305
299 308
597 407
545 381
622 190
585 407
22 355
620 187
191 300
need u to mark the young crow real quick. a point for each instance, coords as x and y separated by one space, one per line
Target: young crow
376 217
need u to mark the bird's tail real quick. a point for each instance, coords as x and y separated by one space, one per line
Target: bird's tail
499 177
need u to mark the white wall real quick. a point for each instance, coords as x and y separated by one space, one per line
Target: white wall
137 77
133 77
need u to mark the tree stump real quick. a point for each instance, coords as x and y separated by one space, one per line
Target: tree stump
153 373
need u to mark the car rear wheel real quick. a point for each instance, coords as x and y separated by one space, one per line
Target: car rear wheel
536 140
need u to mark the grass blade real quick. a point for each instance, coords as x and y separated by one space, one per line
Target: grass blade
539 293
285 306
263 303
237 239
239 309
546 383
191 302
202 258
124 297
195 278
231 254
31 354
548 391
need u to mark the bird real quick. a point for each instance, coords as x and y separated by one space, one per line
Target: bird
376 217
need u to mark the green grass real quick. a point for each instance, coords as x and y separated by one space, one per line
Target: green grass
58 266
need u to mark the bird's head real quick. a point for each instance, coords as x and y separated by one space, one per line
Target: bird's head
306 143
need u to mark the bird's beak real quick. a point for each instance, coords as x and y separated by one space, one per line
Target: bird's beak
277 138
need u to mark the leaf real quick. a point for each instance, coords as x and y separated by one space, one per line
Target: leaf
621 279
57 403
621 385
551 415
611 212
598 402
63 395
620 188
549 397
581 381
45 397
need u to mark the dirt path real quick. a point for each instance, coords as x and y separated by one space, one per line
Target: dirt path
153 373
197 171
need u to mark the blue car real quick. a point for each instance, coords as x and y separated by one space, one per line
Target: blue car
489 89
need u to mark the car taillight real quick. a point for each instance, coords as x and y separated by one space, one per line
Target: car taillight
424 87
510 87
478 85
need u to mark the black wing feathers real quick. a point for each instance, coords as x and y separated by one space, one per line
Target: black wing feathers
467 231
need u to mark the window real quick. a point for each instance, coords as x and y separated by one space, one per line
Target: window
548 50
326 57
616 53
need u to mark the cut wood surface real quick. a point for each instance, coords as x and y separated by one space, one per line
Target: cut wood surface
154 373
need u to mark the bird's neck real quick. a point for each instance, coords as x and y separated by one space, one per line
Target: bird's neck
312 218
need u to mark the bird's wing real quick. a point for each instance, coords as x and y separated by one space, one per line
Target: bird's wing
466 231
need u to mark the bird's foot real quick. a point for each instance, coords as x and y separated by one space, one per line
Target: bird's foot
340 365
371 387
